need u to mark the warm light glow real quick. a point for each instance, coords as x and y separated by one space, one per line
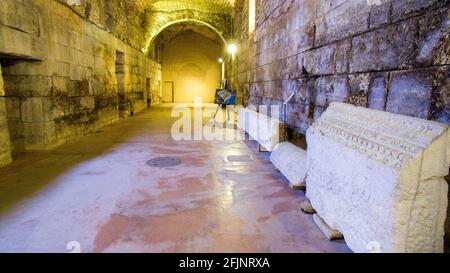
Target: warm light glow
251 16
220 60
232 49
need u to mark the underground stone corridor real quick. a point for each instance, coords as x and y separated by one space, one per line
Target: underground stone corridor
324 126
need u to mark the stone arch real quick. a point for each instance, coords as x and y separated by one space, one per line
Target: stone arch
159 30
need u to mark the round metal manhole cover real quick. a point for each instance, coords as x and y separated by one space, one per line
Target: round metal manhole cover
164 162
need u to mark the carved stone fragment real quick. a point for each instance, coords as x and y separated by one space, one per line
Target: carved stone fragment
378 177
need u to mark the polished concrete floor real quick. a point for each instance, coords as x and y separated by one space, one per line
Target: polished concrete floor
99 192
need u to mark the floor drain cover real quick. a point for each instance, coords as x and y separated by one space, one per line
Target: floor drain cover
164 162
239 158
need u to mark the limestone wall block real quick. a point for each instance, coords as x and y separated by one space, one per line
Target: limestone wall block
59 86
3 113
403 8
20 15
87 102
37 135
320 61
36 109
28 86
59 52
337 24
332 89
410 93
20 44
378 91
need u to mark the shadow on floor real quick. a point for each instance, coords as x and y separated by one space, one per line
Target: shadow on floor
34 172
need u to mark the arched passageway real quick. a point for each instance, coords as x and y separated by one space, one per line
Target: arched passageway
189 51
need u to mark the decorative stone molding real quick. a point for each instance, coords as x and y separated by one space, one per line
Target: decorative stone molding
378 177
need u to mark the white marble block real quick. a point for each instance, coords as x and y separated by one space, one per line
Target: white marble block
290 160
267 131
377 178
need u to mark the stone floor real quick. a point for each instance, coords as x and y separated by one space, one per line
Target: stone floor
99 192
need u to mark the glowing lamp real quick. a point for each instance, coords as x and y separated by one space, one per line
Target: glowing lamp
232 49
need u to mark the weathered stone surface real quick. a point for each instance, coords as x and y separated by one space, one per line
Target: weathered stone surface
378 91
290 160
299 116
433 47
342 57
40 135
380 13
332 89
351 37
368 168
410 93
17 15
337 23
5 145
359 89
20 29
36 110
405 8
28 86
441 96
13 108
319 61
386 48
2 87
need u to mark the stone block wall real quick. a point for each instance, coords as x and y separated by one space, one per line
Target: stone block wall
5 145
20 30
122 18
62 83
393 56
